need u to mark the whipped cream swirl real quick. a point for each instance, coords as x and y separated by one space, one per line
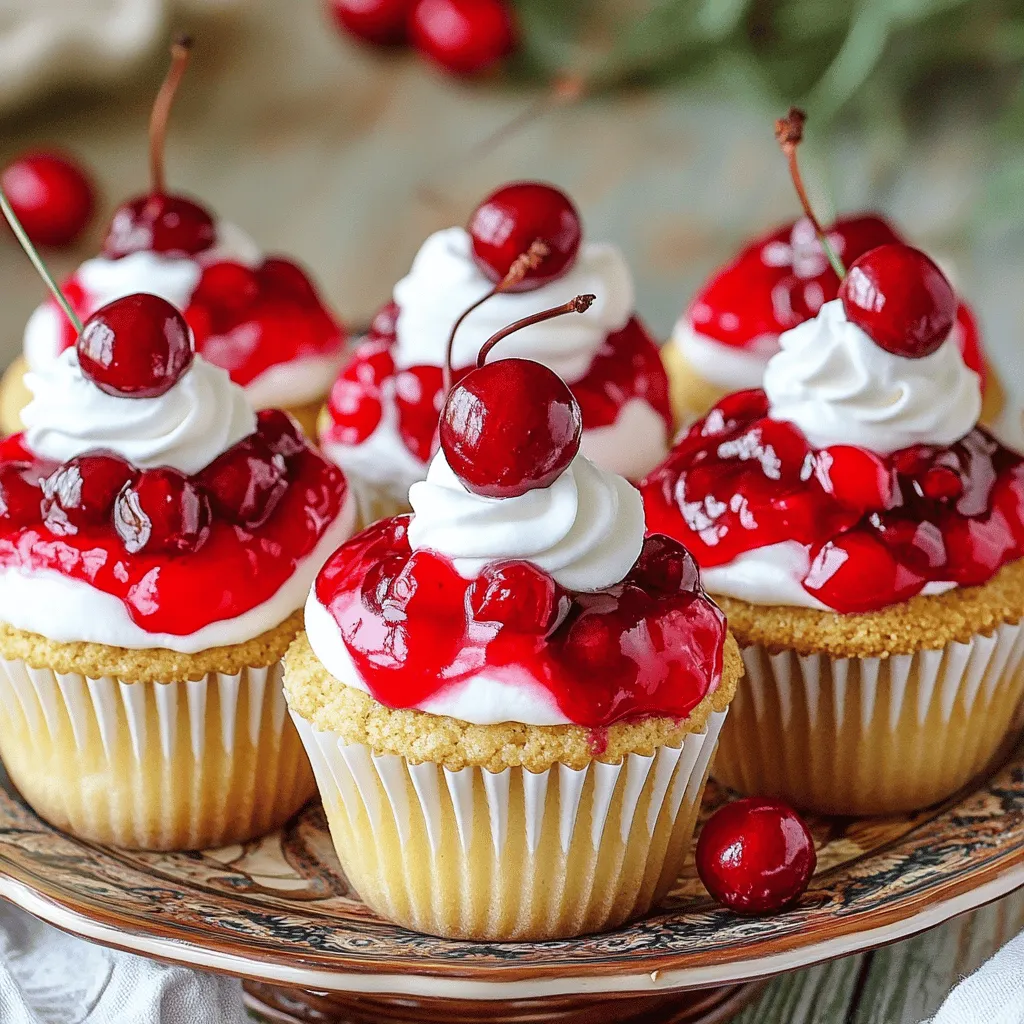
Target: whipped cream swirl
586 529
839 387
187 427
444 281
174 278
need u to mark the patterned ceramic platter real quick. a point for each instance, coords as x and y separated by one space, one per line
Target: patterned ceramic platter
280 912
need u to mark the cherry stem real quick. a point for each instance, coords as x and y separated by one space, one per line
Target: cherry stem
37 262
580 304
180 49
789 132
521 266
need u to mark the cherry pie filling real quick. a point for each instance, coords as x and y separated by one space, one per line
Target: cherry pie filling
179 552
627 367
878 529
650 645
245 319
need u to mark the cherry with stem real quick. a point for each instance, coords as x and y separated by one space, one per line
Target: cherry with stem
181 48
789 132
527 261
580 304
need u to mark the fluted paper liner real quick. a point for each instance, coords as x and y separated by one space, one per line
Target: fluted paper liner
873 735
158 766
514 854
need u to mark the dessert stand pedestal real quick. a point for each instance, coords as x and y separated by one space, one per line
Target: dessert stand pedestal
279 914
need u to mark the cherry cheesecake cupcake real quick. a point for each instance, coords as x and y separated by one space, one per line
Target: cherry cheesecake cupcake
259 317
510 698
864 536
723 341
522 251
157 540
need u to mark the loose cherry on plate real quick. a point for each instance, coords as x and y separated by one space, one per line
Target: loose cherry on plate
380 22
135 347
465 37
52 196
162 510
900 299
511 426
505 224
756 856
161 221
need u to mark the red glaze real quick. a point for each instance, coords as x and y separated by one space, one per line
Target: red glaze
900 299
510 220
627 367
246 320
756 856
158 546
168 224
413 627
135 347
877 529
464 37
783 278
502 448
52 196
381 22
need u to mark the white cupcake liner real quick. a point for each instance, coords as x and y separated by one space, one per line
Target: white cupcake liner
873 735
512 854
177 765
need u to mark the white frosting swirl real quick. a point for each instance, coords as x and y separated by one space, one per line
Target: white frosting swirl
586 529
187 427
444 281
839 387
173 278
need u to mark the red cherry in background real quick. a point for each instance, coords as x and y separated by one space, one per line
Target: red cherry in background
135 347
756 856
510 219
52 196
169 224
465 37
509 427
900 299
380 22
163 510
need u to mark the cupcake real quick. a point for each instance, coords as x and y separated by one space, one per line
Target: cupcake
157 540
510 698
731 329
864 537
257 316
522 251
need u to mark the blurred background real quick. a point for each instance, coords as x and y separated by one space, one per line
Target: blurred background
347 155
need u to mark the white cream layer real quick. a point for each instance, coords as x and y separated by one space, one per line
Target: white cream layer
286 385
726 366
70 611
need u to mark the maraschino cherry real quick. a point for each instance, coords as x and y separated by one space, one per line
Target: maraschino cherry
511 426
52 196
900 299
465 37
380 22
161 221
756 856
135 347
515 216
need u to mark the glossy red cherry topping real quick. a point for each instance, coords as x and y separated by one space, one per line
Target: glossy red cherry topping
413 626
900 299
756 856
508 221
381 22
877 529
464 37
52 196
135 347
164 543
509 427
167 224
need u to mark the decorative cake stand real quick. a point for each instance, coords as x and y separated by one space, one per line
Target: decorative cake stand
279 913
